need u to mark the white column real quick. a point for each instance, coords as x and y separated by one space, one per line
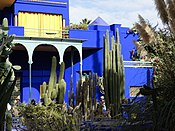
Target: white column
72 66
81 63
30 48
64 23
81 67
61 49
72 61
16 20
30 80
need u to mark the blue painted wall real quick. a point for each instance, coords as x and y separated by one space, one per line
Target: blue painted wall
16 30
41 7
94 37
41 67
32 6
137 77
90 35
92 61
7 12
92 50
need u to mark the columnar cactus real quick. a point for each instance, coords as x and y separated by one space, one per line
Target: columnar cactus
52 80
62 90
86 95
113 74
54 91
105 68
61 85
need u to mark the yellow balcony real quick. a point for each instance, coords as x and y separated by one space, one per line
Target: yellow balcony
41 25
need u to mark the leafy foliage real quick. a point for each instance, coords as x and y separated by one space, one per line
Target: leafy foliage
160 47
49 118
82 25
85 21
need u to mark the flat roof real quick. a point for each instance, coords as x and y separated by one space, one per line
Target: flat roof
50 39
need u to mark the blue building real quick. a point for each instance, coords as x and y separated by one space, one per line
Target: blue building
38 26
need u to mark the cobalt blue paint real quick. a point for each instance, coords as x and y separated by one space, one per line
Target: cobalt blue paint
92 50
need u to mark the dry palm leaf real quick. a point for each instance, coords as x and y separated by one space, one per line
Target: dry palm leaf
144 35
171 14
161 8
151 33
142 21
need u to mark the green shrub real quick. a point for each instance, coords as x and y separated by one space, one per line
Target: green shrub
48 118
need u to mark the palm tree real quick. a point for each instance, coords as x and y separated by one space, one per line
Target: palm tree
85 21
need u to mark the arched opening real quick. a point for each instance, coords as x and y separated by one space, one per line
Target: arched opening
19 56
41 66
72 66
71 54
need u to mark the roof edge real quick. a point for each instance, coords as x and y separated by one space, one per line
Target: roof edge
50 39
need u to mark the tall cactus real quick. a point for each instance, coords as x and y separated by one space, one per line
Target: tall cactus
105 68
113 73
52 80
61 85
86 95
55 91
62 90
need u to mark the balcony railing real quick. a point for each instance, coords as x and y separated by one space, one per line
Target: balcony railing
49 33
138 64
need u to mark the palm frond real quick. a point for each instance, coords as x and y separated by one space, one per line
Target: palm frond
151 33
139 46
142 32
173 2
162 12
171 14
85 21
142 21
171 9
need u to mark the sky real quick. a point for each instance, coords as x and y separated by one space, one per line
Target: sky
124 12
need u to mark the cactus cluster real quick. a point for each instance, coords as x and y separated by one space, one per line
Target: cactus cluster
113 73
7 77
86 95
55 90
